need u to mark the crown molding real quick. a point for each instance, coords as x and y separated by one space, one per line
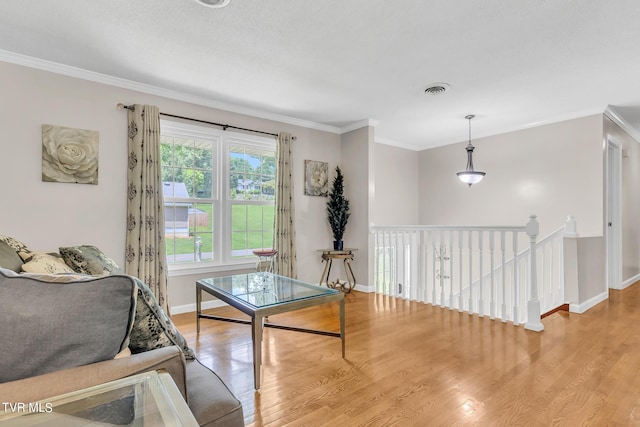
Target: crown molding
80 73
359 124
398 144
621 122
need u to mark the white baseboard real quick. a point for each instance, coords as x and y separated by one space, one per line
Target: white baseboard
191 308
359 287
364 288
581 308
630 281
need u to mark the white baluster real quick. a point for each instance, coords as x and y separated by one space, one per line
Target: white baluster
398 263
427 263
560 287
376 261
503 249
481 296
422 278
442 272
470 272
403 265
434 290
492 304
548 301
516 280
460 298
385 263
451 303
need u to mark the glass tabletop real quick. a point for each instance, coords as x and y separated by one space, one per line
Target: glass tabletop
147 399
263 289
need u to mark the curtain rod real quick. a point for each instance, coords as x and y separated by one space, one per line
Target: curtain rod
121 106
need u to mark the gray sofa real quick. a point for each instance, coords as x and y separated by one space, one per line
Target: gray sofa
61 333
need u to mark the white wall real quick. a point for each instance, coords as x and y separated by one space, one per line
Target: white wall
396 186
49 215
551 171
357 155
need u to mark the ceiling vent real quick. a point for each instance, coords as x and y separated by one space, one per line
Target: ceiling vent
437 89
214 3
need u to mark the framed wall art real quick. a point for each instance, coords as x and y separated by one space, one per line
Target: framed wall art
316 178
69 155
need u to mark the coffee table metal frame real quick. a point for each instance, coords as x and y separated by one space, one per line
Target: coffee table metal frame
259 314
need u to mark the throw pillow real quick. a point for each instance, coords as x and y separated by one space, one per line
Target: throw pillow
47 327
152 327
39 262
15 244
124 353
87 259
9 258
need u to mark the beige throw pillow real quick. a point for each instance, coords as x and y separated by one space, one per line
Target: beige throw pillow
44 263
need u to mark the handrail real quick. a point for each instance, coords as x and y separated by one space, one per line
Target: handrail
449 227
524 252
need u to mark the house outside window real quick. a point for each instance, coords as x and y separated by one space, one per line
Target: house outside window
219 194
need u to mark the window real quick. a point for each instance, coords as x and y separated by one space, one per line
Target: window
219 194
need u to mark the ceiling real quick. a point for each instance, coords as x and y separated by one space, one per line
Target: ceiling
328 64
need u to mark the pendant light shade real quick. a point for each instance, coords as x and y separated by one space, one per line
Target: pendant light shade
214 3
469 175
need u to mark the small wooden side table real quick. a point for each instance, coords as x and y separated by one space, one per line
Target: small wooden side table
346 255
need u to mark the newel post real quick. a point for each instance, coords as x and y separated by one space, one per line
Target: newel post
570 227
533 305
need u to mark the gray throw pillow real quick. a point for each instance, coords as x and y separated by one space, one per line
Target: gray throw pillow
152 327
87 259
49 326
9 258
17 245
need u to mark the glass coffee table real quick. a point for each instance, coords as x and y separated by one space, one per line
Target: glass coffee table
260 295
147 399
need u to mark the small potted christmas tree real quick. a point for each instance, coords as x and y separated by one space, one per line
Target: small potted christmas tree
337 209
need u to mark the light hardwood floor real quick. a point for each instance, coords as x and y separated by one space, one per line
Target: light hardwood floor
409 363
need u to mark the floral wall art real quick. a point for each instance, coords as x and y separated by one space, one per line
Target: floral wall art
69 155
316 178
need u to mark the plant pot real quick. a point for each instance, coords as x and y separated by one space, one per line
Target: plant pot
337 245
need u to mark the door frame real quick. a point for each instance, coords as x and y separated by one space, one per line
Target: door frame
613 212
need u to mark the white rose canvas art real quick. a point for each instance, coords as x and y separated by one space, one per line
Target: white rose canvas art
316 178
69 155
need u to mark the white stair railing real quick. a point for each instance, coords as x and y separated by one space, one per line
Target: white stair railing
480 270
550 257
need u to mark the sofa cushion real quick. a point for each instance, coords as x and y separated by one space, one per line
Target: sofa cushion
87 259
9 259
41 387
40 262
59 278
152 327
210 400
48 326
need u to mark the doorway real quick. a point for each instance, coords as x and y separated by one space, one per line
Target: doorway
613 215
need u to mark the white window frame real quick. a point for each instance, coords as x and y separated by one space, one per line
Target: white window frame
222 141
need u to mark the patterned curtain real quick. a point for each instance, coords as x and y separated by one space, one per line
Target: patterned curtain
285 232
145 252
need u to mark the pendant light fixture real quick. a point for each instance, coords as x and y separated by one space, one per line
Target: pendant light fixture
214 3
470 176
